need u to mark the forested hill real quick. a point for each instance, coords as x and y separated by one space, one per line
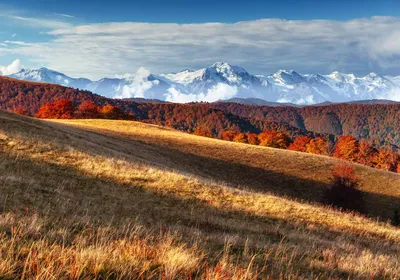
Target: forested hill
27 97
379 122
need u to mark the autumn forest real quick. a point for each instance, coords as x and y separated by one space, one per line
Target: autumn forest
365 134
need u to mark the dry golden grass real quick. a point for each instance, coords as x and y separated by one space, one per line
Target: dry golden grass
115 199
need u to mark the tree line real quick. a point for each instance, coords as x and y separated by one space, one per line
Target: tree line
346 148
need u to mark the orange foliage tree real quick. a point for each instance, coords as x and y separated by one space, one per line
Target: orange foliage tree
252 139
318 146
61 109
366 153
386 160
228 135
274 139
112 112
300 144
347 148
203 132
241 138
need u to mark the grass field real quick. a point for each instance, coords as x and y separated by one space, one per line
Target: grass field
118 199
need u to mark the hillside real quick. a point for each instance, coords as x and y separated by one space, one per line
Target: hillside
378 122
17 95
121 199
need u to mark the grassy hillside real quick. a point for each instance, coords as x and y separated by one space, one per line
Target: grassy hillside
120 199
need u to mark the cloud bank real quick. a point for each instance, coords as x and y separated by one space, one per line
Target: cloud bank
13 68
262 46
218 92
139 85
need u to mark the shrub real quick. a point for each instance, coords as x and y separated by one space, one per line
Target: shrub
343 192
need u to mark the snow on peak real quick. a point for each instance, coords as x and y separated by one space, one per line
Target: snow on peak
222 79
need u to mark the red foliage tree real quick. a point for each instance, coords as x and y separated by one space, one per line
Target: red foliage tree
300 144
61 109
88 110
21 111
344 192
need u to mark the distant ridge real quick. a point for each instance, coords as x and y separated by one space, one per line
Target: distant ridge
222 81
261 102
257 101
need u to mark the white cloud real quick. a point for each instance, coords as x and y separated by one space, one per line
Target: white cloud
64 15
18 43
260 46
13 68
15 34
139 85
391 95
218 92
41 22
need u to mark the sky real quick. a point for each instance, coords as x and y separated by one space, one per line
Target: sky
95 39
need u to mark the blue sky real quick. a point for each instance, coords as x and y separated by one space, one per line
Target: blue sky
189 11
104 38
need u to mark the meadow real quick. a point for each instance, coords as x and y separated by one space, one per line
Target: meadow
104 199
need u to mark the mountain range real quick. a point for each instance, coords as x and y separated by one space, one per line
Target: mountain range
222 81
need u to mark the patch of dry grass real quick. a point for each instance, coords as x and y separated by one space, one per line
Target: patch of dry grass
129 200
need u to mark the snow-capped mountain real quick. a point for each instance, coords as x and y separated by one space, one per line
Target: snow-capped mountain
224 81
49 76
147 86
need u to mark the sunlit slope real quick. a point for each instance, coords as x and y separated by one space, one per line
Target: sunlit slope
281 172
112 199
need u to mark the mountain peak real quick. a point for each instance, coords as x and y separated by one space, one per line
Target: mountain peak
226 68
219 64
373 75
287 85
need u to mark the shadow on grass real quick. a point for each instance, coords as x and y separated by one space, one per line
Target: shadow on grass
163 156
233 174
62 192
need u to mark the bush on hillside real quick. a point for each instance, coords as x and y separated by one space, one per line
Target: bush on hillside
344 191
